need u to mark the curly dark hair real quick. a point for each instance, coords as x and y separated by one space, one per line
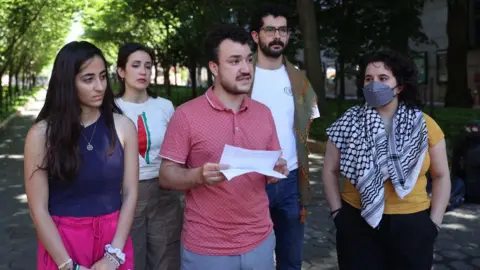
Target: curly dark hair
403 69
220 33
276 10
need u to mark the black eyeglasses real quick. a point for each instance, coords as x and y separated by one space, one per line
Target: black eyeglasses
270 30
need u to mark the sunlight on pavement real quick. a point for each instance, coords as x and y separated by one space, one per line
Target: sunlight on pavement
316 157
316 161
28 113
22 212
7 156
5 142
35 104
22 198
461 215
455 226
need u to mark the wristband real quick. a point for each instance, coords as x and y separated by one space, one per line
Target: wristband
61 266
335 211
117 252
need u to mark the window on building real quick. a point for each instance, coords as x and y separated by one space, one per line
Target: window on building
421 62
442 71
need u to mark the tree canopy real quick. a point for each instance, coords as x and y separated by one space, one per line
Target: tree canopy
31 32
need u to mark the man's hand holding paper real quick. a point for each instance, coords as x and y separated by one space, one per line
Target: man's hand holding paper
241 161
281 167
211 173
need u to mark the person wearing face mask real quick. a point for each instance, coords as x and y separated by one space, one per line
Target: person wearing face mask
158 217
384 148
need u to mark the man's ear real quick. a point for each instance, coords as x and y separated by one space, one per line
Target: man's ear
213 68
254 35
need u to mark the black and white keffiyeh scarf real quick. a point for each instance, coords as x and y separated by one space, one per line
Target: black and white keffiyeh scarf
369 156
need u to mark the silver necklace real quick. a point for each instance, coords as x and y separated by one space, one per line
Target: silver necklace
89 145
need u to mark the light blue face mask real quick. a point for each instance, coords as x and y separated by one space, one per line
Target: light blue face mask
378 94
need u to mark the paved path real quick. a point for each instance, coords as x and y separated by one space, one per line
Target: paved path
457 246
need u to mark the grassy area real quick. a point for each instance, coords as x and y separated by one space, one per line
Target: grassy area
19 102
451 120
180 94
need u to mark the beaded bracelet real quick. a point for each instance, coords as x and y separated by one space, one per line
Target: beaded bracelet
112 259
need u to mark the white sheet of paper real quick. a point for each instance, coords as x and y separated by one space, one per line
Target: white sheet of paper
241 161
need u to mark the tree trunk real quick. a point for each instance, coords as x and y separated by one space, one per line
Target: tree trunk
175 71
1 95
199 76
10 90
335 80
193 78
34 80
24 80
156 73
312 58
17 85
341 77
166 80
458 94
209 77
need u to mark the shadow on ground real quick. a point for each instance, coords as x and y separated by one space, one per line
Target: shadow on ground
457 246
18 238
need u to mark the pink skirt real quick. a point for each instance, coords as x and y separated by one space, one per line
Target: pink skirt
85 240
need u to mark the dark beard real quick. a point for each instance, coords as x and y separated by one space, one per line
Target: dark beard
270 53
230 89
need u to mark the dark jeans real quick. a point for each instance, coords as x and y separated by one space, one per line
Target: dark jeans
285 212
402 242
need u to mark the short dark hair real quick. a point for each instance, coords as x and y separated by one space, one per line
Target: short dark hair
402 67
220 33
275 10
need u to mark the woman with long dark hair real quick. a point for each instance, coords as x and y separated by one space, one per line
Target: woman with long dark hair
158 217
81 168
384 147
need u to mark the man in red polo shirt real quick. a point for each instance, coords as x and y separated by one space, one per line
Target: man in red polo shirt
227 223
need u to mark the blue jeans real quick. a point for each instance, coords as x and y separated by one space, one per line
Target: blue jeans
285 213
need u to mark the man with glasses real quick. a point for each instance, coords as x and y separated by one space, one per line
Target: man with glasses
288 94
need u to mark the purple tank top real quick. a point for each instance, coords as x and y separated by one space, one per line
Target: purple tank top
97 186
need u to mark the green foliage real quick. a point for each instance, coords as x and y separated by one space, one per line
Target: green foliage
350 28
174 29
31 33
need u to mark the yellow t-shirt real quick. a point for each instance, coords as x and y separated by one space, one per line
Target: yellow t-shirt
418 199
